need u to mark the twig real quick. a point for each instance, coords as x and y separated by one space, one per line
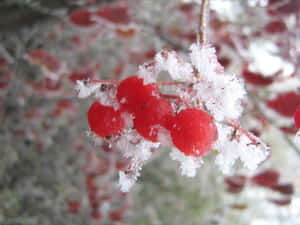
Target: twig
202 30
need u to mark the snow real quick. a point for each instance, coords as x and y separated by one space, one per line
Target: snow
188 164
126 181
171 62
241 147
85 90
204 58
108 98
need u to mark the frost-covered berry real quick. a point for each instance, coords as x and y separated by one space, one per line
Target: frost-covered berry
132 93
193 132
104 120
152 116
297 118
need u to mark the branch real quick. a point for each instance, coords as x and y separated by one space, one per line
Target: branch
202 30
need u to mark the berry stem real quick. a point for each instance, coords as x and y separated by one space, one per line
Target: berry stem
202 30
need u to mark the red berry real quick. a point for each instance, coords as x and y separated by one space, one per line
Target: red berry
150 116
96 215
297 118
285 104
82 18
132 93
104 120
193 132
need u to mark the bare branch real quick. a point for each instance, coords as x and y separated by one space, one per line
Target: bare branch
203 21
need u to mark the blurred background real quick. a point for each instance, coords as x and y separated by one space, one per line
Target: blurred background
51 171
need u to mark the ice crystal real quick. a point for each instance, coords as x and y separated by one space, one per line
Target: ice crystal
85 90
188 164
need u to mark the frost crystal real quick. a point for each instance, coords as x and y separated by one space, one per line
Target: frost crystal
205 60
85 90
178 69
108 98
188 164
222 97
148 73
126 181
139 150
241 147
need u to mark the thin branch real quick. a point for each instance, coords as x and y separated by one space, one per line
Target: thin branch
203 21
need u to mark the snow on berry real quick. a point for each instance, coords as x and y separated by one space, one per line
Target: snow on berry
193 132
104 120
132 93
152 115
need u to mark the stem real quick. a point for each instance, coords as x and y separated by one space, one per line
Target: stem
203 21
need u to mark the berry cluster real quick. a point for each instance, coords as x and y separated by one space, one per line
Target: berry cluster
192 130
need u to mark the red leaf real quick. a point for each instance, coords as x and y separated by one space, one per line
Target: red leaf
257 78
82 18
276 26
267 178
285 104
281 202
118 15
235 183
287 189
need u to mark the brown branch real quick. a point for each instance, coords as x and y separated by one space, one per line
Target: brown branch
203 21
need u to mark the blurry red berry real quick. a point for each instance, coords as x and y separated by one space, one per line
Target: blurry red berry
73 206
96 215
193 132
